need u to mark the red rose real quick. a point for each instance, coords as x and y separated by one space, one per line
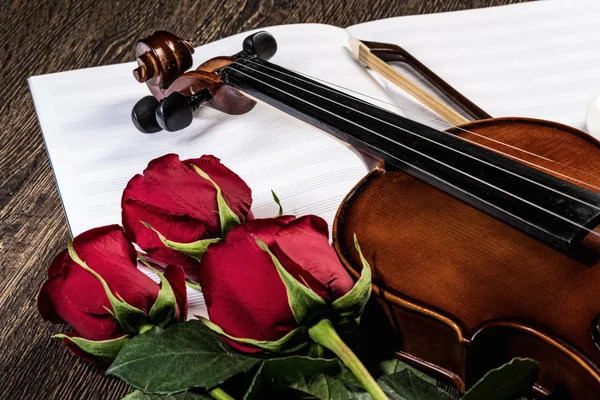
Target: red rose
76 296
173 198
277 285
244 292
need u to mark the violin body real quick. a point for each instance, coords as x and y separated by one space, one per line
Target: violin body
465 292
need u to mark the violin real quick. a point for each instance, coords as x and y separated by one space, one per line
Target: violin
483 239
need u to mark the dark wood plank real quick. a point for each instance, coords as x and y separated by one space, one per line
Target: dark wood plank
41 37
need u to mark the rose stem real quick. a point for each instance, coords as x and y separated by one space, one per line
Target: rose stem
324 333
220 394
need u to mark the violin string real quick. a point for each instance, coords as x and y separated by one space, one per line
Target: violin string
437 143
438 119
426 156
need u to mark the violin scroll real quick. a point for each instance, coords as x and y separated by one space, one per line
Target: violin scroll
164 58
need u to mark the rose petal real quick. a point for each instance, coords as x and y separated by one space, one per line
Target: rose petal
267 228
176 277
182 229
236 192
302 246
244 293
171 187
49 300
54 306
113 257
57 265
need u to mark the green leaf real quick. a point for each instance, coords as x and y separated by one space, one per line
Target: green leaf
406 385
276 199
183 356
130 318
394 365
139 395
194 249
103 349
315 378
293 341
350 307
358 394
506 382
256 386
306 305
227 217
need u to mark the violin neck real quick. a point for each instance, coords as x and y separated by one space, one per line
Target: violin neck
551 210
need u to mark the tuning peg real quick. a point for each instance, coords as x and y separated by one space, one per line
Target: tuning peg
262 43
176 111
143 115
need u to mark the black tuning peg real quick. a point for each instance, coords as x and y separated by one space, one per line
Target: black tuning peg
262 43
143 115
176 111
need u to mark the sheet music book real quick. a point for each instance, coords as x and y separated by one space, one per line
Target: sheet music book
534 59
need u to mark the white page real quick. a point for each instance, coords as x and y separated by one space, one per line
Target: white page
95 149
536 59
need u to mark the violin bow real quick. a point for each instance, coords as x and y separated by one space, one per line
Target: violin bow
376 56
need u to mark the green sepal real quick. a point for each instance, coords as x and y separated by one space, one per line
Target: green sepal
193 285
103 349
194 249
278 202
130 318
227 217
306 305
164 309
291 342
506 382
349 307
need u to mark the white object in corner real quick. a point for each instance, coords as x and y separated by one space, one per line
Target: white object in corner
592 119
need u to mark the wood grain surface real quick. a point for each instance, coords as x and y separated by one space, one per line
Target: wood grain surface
40 37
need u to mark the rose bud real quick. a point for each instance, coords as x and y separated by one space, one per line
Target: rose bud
96 287
177 208
275 284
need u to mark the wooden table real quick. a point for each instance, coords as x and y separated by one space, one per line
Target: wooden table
41 37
